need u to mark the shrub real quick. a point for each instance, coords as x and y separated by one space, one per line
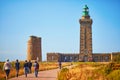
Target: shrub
65 70
62 74
114 75
1 65
109 68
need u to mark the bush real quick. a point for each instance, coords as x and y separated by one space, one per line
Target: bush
114 75
1 65
109 68
65 70
62 75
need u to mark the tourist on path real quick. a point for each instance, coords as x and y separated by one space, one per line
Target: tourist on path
36 68
17 67
7 66
60 65
26 68
30 65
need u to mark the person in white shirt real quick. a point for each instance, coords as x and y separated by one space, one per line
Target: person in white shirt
36 68
7 66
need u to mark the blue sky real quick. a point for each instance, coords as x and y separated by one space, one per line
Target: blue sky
57 22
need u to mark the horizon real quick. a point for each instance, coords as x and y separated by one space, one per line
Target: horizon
57 23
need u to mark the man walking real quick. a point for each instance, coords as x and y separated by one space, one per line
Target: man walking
30 65
60 65
17 66
26 68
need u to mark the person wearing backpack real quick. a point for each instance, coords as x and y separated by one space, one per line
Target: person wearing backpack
26 68
36 68
7 67
30 65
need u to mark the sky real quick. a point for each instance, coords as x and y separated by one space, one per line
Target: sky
57 23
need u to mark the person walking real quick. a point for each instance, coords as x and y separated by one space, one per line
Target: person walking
60 64
26 68
7 66
36 68
17 67
30 65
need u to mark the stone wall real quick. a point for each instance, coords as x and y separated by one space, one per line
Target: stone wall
102 57
53 57
69 57
63 57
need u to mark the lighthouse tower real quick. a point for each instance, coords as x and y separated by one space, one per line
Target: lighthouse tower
85 53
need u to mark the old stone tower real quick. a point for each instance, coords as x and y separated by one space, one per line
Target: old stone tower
34 51
85 35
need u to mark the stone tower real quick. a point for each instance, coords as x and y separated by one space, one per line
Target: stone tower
85 35
34 51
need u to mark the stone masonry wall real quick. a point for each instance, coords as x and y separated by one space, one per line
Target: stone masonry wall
34 49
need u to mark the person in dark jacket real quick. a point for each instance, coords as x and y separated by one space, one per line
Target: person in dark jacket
30 65
60 65
26 68
17 67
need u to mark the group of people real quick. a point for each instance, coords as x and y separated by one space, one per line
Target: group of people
27 67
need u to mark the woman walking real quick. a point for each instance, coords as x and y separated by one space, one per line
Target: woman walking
7 66
17 67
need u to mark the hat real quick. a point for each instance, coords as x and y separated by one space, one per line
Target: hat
7 60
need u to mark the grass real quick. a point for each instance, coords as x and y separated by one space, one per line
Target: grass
91 71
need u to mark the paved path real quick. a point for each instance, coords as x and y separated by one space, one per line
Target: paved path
42 75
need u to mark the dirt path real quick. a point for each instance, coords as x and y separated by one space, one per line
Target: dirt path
42 75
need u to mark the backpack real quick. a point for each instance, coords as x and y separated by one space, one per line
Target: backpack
37 66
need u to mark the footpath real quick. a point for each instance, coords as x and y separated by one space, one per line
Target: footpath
42 75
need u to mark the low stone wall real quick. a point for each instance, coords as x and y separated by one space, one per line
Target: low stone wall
73 57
